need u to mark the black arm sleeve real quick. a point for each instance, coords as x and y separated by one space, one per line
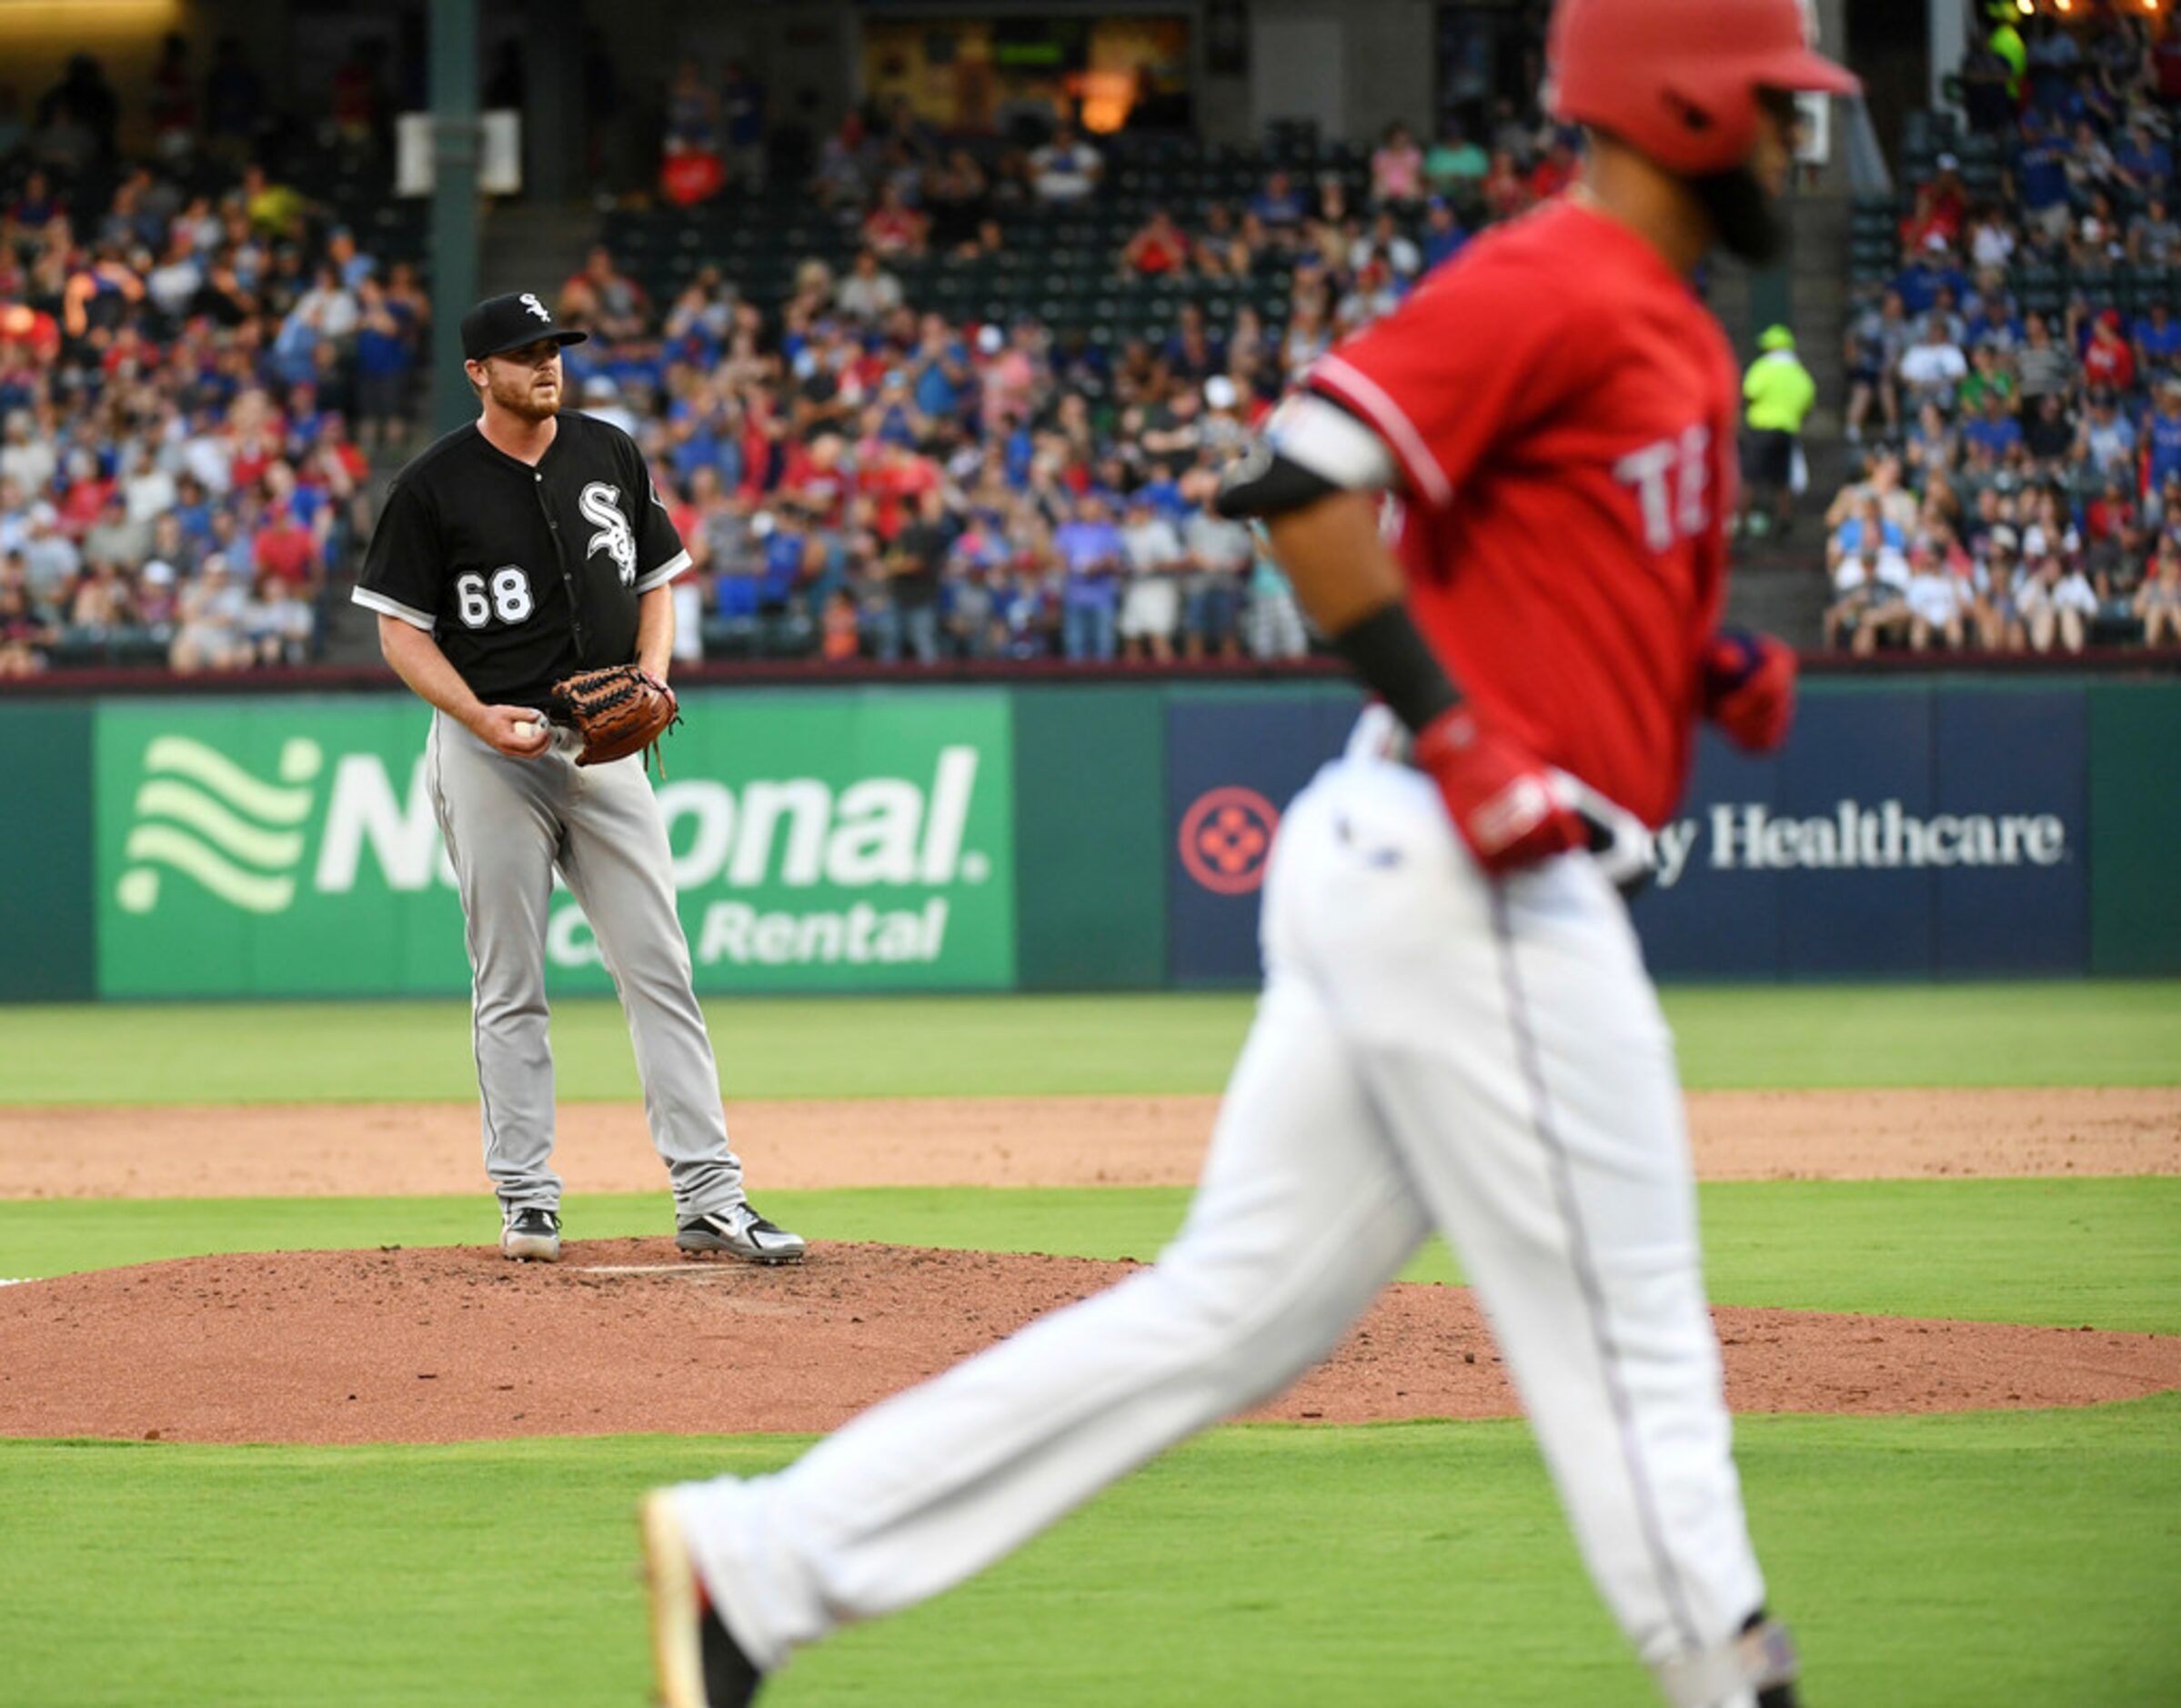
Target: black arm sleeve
1265 483
1385 649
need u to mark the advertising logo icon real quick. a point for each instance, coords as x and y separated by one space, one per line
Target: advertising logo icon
1226 838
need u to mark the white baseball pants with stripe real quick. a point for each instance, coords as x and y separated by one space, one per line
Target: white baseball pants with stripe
1432 1050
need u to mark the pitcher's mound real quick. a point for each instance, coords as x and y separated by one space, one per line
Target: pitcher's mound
455 1343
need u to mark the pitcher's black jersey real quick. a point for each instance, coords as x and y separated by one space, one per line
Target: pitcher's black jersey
523 574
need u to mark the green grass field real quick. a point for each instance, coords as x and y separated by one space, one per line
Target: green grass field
2031 1558
2118 1032
1402 1564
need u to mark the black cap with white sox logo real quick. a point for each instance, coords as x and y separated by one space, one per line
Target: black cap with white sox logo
500 324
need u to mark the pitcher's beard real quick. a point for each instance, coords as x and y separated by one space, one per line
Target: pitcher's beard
524 402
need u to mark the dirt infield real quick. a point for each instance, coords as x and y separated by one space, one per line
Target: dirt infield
453 1344
388 1148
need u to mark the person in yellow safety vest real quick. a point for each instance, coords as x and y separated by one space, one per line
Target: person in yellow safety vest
1779 393
2006 42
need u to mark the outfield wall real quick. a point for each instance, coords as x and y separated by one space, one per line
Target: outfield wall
1093 837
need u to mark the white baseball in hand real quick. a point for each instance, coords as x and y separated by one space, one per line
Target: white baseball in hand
528 730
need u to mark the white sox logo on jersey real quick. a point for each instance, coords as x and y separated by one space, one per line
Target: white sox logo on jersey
529 300
601 505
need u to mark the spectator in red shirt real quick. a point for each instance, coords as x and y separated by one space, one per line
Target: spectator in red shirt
813 483
86 493
2107 362
893 227
286 549
1158 247
1555 173
900 478
1949 200
1930 218
2109 515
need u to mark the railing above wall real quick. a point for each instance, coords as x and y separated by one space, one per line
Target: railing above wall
2114 661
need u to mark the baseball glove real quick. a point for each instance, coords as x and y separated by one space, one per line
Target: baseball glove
618 710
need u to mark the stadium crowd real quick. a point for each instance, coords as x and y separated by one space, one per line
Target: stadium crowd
2016 389
196 361
859 473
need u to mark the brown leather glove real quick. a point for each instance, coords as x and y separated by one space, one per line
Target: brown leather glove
618 710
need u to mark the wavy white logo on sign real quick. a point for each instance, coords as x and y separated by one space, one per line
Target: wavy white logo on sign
199 813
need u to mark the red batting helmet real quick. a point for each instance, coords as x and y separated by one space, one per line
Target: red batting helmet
1677 80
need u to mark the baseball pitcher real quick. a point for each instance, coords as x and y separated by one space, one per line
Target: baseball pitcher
520 572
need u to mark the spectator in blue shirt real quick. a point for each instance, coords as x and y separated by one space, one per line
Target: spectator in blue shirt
1869 522
940 371
1279 205
2053 60
2106 438
2157 343
2040 176
1090 548
1996 428
2144 161
742 119
1933 271
2162 435
193 512
1442 233
1995 327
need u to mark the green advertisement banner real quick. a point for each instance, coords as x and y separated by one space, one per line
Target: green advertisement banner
821 842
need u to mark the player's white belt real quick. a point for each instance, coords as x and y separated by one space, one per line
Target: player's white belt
1624 850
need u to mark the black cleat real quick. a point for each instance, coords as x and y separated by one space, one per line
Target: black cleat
531 1235
738 1231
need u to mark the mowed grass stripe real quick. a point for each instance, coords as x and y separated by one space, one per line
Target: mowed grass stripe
2079 1033
2099 1252
2026 1558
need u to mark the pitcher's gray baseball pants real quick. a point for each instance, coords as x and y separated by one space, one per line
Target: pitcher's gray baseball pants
507 824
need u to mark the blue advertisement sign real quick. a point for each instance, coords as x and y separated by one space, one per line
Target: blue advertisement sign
1917 833
1932 832
1233 764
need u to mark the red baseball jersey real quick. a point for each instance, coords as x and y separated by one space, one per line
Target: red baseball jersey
1563 409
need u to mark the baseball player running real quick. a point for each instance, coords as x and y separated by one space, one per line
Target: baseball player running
513 553
1457 1030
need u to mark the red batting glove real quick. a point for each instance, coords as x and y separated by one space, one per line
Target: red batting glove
1749 688
1502 798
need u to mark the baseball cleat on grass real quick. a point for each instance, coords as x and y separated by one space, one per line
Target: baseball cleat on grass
738 1231
697 1662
